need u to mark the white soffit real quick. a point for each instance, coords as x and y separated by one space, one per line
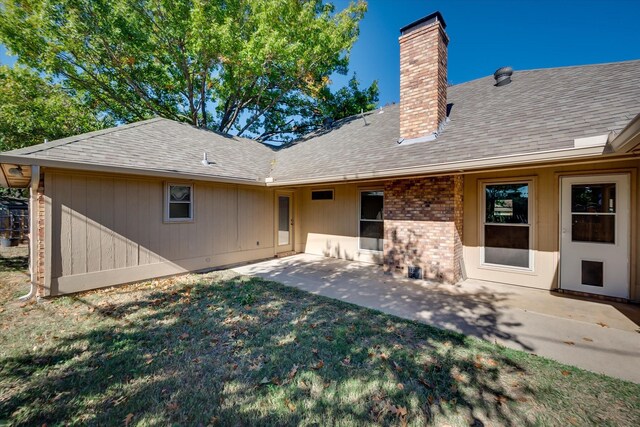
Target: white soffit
591 141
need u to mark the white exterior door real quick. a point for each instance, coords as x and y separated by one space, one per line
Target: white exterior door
595 234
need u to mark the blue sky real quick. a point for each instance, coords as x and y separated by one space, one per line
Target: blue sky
488 34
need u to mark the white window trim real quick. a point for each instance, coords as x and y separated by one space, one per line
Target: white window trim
333 194
167 199
530 181
359 213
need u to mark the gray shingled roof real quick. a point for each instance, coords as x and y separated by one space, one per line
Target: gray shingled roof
160 145
540 110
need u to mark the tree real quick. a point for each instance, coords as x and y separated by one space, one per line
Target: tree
240 66
33 108
312 112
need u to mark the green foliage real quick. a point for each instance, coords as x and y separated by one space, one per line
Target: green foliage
240 66
33 109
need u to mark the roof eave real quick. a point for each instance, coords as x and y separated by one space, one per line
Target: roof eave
457 167
92 167
629 138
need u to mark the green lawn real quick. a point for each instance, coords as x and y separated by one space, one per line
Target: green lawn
218 349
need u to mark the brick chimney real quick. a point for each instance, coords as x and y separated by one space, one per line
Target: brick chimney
423 77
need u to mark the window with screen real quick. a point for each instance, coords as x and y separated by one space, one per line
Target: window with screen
507 225
179 202
371 220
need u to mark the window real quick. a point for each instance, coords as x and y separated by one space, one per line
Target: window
507 225
593 213
371 220
322 195
179 202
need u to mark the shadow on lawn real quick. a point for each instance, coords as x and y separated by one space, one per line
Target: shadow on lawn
226 353
16 263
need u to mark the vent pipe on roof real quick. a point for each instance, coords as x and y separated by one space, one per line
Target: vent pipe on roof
205 160
503 76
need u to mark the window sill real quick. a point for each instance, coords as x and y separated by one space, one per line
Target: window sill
178 221
506 269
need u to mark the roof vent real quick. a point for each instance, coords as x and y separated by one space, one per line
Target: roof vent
503 76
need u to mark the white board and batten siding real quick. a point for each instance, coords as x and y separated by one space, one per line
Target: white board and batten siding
108 230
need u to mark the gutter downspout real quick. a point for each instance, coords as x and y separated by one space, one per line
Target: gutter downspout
33 232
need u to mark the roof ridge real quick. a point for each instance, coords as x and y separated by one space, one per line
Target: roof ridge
561 67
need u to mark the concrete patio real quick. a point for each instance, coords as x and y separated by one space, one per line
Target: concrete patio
599 336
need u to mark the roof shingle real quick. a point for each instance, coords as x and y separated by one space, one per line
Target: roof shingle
540 110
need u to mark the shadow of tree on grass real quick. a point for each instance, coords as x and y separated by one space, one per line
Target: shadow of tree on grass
244 351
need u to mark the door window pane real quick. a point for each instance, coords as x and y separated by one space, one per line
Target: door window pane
506 245
283 220
594 198
593 208
593 228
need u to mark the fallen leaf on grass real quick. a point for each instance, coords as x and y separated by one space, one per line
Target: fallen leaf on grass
290 405
491 362
566 373
317 366
522 399
501 399
293 372
400 386
127 419
398 410
172 406
425 383
384 356
184 336
397 367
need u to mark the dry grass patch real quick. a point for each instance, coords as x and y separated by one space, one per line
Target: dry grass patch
230 350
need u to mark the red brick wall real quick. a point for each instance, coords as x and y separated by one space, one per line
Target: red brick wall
423 80
423 227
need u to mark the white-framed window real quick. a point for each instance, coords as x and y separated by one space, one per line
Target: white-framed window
178 202
371 221
322 194
507 230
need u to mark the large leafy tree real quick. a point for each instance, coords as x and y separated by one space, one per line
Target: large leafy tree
33 108
250 67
